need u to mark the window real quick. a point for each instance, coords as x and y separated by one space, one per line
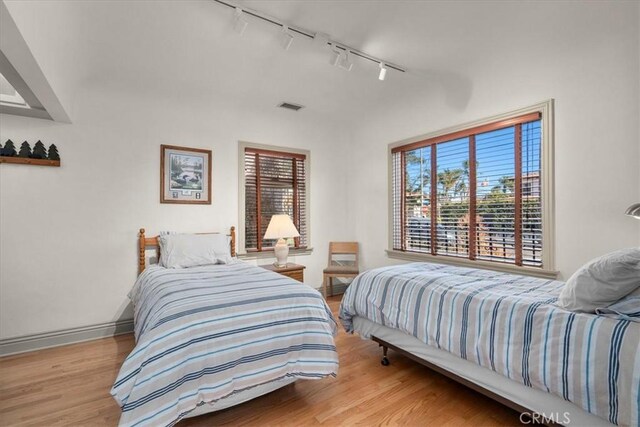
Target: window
476 193
275 182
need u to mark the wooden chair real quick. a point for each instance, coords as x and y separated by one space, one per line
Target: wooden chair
340 270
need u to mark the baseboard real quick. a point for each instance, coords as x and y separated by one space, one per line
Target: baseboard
41 341
33 342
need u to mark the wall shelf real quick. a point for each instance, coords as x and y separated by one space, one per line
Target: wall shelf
28 161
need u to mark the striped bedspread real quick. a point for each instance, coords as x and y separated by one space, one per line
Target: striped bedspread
508 323
209 332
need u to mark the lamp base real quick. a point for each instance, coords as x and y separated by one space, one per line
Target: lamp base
281 251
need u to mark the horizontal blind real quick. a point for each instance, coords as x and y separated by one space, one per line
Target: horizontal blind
504 154
495 195
531 209
275 183
417 200
452 232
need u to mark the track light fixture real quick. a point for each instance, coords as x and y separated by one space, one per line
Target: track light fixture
335 56
239 22
286 38
345 61
321 40
340 54
383 72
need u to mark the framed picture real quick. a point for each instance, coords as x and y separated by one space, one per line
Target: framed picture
185 175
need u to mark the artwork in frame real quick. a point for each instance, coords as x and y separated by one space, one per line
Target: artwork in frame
185 175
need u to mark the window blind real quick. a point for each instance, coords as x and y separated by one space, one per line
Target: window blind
474 194
275 183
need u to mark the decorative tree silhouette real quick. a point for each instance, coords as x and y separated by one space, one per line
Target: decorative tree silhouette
53 152
9 149
39 151
25 150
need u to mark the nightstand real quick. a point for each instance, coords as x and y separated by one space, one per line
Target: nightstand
295 271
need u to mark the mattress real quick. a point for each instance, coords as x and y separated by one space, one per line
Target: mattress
212 333
510 325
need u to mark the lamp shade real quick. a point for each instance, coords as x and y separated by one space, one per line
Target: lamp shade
634 210
281 227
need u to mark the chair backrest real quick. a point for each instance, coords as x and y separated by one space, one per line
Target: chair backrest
343 248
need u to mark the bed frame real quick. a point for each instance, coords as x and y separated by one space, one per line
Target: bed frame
145 243
524 411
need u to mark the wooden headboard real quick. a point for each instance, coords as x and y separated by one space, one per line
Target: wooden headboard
145 243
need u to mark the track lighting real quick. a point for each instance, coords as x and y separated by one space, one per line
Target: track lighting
341 55
345 61
335 56
286 38
320 39
383 72
239 22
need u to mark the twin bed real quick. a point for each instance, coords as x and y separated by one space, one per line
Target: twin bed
214 336
502 335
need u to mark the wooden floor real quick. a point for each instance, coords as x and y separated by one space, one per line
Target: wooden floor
70 386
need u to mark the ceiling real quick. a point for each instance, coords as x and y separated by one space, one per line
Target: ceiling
187 51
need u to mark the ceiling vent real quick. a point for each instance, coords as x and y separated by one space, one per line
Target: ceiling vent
290 106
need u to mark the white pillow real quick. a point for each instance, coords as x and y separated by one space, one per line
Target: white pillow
222 248
602 281
187 250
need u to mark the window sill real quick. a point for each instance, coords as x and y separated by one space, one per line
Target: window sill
487 265
271 254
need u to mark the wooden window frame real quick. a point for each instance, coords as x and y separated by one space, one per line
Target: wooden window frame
543 111
264 149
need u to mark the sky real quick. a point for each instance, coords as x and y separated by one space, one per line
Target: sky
494 156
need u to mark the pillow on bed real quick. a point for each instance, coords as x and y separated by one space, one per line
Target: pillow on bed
627 308
186 250
191 250
602 281
222 248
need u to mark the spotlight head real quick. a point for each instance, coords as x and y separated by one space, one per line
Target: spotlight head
335 56
383 72
321 39
286 38
345 61
239 22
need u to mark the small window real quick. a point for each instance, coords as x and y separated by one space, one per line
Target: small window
275 182
476 193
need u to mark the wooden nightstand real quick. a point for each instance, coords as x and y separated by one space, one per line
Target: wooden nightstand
295 271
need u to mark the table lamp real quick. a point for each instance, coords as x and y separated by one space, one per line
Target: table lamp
281 227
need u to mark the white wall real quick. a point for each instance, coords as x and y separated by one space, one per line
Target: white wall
597 140
69 234
130 82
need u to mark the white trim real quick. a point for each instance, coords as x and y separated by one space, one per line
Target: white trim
242 252
465 262
546 109
21 69
57 338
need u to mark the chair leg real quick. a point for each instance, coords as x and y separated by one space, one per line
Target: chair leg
331 284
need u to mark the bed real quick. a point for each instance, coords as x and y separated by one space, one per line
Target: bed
502 335
215 336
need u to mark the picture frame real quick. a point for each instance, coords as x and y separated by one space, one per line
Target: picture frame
185 175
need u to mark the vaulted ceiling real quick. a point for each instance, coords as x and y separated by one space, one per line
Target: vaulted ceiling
187 51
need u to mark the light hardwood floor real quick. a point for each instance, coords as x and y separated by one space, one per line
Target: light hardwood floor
70 386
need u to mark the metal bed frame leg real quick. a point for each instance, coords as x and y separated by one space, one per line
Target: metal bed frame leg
385 360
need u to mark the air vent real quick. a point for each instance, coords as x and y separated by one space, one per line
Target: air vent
290 106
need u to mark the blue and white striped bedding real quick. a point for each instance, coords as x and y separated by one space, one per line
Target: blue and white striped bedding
205 333
508 323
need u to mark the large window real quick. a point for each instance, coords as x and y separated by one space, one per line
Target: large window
475 194
275 182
